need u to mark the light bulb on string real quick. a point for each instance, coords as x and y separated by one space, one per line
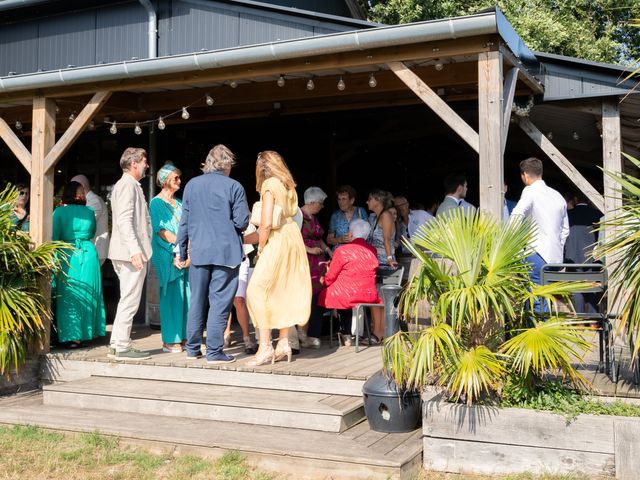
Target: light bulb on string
18 125
137 130
92 125
233 84
281 81
185 113
373 83
209 99
113 129
72 117
161 124
575 136
438 66
57 109
310 84
341 84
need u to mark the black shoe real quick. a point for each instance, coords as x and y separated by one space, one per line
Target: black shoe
194 357
251 350
295 351
221 359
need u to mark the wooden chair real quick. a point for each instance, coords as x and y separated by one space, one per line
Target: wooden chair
595 273
383 277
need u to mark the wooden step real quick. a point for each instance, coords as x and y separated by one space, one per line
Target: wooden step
55 368
357 453
256 406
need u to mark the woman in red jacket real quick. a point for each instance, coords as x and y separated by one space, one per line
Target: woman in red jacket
351 278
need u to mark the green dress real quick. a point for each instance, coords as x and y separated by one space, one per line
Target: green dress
174 283
23 223
78 286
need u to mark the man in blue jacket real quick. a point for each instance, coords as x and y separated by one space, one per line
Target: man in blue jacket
214 215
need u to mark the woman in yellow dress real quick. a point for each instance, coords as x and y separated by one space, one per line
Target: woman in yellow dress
279 292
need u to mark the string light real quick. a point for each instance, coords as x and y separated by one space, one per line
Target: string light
18 125
185 113
281 81
373 83
341 84
57 109
438 66
575 136
310 84
137 130
233 84
209 99
92 125
72 117
113 130
161 124
550 135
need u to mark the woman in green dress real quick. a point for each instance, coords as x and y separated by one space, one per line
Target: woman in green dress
78 286
20 215
165 211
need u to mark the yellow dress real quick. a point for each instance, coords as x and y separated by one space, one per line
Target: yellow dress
279 291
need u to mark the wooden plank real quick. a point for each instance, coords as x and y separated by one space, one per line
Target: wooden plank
439 106
562 162
459 456
15 145
75 129
627 432
392 441
509 89
490 114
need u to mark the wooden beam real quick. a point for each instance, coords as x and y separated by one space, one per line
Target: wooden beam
75 129
561 161
15 145
490 115
439 106
508 91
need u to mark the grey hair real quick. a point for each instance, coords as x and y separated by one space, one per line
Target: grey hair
314 194
219 159
359 228
131 155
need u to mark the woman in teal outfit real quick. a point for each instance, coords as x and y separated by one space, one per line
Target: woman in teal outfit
20 215
78 286
165 211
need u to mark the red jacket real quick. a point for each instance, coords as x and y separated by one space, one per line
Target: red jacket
351 278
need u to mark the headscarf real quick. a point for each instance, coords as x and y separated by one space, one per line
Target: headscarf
164 173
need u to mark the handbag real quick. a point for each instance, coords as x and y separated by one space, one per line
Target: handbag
278 217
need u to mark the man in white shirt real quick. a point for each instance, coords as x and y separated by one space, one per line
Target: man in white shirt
410 220
101 239
548 210
455 188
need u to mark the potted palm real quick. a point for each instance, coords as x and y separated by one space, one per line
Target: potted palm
23 307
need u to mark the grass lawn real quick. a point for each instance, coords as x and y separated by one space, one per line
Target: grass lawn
37 454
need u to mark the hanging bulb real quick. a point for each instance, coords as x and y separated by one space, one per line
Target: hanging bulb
341 84
72 117
113 130
185 114
92 125
233 84
137 130
161 124
310 84
373 83
209 99
18 125
550 135
281 81
575 136
438 66
57 109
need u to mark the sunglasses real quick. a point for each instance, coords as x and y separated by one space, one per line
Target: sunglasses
23 194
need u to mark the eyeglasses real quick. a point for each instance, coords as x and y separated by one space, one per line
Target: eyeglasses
23 194
177 177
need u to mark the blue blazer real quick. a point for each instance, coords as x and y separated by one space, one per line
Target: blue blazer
214 215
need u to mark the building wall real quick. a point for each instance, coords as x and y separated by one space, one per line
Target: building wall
118 32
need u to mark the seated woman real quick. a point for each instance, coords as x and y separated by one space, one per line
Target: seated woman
351 278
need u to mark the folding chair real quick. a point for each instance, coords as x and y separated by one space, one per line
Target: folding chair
383 277
597 274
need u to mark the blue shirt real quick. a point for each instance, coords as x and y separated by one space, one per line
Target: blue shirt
339 225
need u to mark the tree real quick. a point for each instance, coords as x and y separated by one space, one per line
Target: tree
598 30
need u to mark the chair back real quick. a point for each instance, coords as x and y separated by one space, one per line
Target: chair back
576 272
390 277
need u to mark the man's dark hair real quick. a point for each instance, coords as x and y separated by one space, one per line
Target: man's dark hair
453 181
532 166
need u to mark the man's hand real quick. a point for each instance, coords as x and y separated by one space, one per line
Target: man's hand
138 260
346 238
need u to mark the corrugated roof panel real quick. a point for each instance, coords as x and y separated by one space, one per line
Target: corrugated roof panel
121 33
67 40
256 29
18 48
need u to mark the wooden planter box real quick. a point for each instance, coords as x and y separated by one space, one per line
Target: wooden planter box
487 440
27 378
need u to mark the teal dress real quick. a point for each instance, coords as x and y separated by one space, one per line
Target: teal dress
173 282
22 223
78 286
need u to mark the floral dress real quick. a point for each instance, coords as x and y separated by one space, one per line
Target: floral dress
312 234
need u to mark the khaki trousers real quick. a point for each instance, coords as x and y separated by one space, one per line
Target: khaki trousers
131 284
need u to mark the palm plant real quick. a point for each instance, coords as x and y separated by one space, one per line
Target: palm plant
23 306
483 324
621 248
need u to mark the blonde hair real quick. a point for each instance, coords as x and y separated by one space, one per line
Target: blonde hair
271 164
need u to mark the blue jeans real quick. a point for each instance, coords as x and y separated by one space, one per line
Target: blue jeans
537 262
218 285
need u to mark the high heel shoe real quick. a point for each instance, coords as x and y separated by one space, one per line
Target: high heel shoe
266 356
283 349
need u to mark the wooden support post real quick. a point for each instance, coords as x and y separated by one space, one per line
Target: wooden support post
507 102
490 113
15 145
562 162
439 106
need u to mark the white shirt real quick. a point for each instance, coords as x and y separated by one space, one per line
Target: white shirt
548 210
101 240
417 218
